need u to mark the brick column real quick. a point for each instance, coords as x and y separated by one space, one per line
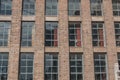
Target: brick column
110 38
15 40
63 41
39 41
87 40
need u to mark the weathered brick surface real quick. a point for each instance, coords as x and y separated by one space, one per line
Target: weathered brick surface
63 49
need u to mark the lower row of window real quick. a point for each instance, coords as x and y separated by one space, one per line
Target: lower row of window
52 66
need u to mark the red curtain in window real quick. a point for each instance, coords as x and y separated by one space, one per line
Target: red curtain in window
101 43
55 37
78 36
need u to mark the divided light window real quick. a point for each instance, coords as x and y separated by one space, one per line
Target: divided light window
51 7
28 7
4 33
116 7
96 7
119 60
51 34
26 36
26 66
75 34
3 65
76 67
98 34
51 66
117 33
100 66
74 7
5 7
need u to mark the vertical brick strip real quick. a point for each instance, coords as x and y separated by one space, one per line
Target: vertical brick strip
39 41
63 41
110 38
15 40
87 40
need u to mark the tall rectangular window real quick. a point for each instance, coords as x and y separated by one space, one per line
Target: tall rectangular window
100 66
26 36
117 33
119 60
4 33
28 7
3 65
96 7
76 67
74 7
26 66
116 7
51 66
75 34
51 7
51 34
98 34
5 7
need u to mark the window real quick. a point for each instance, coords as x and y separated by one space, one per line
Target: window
74 7
5 7
27 33
76 70
119 60
100 63
4 32
116 7
51 32
51 67
28 7
96 7
98 34
117 33
75 34
3 65
26 66
51 7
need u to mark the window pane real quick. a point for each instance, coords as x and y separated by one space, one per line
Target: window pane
76 66
74 34
99 67
116 7
28 7
26 36
5 7
51 70
3 65
96 7
51 34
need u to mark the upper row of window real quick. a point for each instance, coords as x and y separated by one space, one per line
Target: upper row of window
51 7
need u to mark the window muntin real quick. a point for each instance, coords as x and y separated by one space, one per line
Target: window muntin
100 64
51 66
3 65
117 33
96 7
76 69
26 66
51 34
51 7
4 33
75 34
28 7
26 37
116 7
98 34
73 7
5 7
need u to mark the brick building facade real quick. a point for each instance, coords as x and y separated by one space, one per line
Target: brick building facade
59 39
